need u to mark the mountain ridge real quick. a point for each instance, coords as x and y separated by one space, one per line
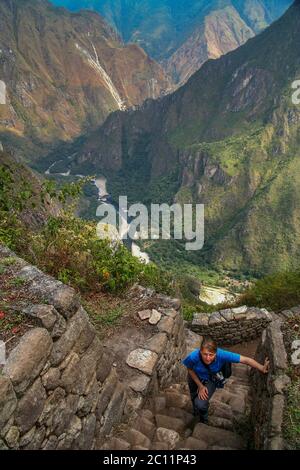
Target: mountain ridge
228 139
65 72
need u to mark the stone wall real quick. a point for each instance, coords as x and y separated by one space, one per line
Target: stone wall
269 391
232 326
60 387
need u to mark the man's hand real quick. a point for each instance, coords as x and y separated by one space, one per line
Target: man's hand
203 393
266 366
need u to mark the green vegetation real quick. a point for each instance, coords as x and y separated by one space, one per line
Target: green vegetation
85 261
292 428
275 292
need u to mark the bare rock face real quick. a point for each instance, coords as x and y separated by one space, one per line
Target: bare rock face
70 71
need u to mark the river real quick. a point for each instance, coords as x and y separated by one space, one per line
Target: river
103 196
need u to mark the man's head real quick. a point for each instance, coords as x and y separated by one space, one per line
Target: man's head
208 350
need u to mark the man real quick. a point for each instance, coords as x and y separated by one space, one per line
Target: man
205 367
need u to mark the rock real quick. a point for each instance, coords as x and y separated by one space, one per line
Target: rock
145 314
159 403
278 404
51 379
166 325
8 400
28 358
51 443
75 427
200 320
86 438
227 314
65 343
140 384
116 443
178 400
240 310
106 393
147 414
86 336
104 366
169 312
275 340
71 378
3 446
65 300
46 315
114 410
280 384
169 422
216 319
155 317
30 406
37 439
27 437
171 438
168 302
157 343
59 327
143 360
136 438
160 446
145 426
195 444
12 437
88 403
215 436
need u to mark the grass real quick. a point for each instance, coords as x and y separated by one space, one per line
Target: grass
292 418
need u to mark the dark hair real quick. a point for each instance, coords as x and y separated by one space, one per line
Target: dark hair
209 344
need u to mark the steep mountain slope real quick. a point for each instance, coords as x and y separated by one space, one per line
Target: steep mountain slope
65 72
183 34
229 139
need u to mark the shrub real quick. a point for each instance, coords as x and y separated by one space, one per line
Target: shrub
275 292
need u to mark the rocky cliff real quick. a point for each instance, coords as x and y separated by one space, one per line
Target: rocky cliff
228 139
65 72
183 34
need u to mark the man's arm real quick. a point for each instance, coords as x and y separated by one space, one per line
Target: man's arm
263 368
202 390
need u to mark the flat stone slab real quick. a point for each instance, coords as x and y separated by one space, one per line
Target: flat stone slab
143 360
145 314
155 317
240 310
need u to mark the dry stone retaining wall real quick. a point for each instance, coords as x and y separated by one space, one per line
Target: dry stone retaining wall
232 326
269 394
60 387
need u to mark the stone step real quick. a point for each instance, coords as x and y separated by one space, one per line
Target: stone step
218 437
169 422
116 443
145 426
147 414
191 443
169 436
187 417
222 423
160 446
178 400
136 438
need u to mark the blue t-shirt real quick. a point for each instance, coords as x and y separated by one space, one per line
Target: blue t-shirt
193 362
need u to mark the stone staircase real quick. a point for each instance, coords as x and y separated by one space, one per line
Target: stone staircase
167 423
